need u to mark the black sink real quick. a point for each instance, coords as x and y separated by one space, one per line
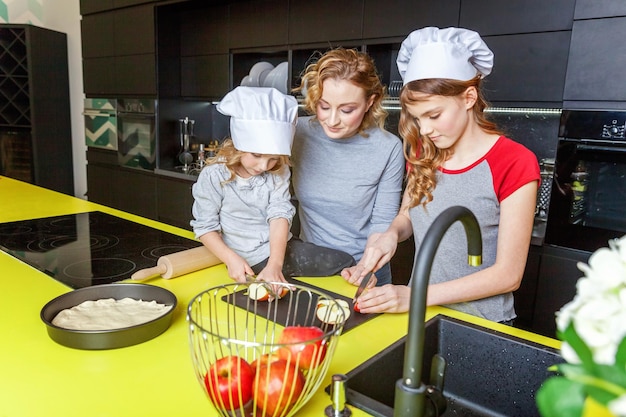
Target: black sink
488 373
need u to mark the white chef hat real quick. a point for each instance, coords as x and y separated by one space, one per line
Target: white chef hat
262 120
455 53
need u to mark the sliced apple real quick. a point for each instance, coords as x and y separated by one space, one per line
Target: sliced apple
330 312
260 292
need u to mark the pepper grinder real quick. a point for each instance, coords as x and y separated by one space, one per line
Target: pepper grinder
338 397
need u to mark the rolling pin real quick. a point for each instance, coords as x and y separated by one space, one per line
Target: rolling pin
179 263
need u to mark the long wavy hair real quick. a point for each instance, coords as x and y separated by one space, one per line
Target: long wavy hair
350 65
423 157
230 156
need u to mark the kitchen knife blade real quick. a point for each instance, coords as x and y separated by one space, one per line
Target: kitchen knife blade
361 288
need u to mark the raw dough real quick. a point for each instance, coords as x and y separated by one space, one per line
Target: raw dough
109 314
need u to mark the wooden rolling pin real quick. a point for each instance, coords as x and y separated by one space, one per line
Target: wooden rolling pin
179 263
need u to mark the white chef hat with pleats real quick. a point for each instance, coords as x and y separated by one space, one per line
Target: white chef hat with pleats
454 53
262 120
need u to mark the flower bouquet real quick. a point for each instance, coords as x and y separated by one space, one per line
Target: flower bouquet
592 328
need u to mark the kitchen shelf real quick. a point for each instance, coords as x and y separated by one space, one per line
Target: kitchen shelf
35 126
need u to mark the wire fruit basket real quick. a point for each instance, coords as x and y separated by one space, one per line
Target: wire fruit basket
261 357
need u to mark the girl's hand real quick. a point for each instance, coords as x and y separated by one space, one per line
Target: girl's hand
386 299
238 268
354 275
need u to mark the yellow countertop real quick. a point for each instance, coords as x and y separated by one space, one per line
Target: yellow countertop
39 377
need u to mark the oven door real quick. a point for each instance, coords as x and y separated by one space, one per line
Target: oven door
100 123
588 199
136 140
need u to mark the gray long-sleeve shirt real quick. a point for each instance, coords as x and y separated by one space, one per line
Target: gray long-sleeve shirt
241 209
346 188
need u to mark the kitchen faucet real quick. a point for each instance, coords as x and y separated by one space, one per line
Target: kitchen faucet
410 392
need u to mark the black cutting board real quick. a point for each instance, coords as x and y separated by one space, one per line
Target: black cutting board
279 310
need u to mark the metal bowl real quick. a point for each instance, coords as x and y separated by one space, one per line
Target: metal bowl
114 338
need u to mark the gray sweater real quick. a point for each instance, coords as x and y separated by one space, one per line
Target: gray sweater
346 188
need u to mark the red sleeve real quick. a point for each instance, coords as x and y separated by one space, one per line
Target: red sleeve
512 166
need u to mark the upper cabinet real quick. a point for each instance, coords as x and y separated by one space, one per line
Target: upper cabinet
597 59
495 17
528 68
95 6
400 17
325 20
119 52
258 23
589 9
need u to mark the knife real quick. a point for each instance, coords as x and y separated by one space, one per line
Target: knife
361 288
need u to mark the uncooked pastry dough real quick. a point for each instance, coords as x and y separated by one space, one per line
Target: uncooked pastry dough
109 314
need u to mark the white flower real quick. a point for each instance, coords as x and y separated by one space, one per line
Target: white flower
618 406
598 310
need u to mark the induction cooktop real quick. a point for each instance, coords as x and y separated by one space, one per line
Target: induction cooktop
85 249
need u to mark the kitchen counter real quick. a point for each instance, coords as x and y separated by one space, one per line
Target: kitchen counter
155 378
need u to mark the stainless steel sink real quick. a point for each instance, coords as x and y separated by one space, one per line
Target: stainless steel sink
488 373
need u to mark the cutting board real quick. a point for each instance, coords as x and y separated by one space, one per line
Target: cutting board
279 310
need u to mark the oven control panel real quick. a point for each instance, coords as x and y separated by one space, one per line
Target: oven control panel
615 130
604 125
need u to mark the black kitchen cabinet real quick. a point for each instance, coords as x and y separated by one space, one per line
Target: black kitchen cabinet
125 189
390 18
528 67
205 76
259 23
35 126
595 70
94 6
341 20
496 17
204 30
119 52
556 286
526 293
589 9
174 201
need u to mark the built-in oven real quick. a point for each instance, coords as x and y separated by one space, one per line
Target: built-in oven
588 196
136 133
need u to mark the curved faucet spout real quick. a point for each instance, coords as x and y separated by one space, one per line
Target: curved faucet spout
410 391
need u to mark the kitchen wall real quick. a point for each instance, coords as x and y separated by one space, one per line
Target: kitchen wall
62 16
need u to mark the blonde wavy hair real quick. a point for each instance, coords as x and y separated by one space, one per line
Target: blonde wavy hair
350 65
231 157
422 156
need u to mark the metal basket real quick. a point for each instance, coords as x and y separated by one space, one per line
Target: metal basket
232 337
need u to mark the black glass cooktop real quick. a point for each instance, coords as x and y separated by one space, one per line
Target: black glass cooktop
85 249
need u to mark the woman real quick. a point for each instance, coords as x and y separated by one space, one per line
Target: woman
456 157
347 169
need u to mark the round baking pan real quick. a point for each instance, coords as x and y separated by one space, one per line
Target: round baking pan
114 338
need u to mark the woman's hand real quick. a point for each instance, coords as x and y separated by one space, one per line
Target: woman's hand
354 275
386 299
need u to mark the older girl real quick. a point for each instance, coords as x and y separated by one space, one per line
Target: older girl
456 157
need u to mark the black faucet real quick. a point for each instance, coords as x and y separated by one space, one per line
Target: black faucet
410 391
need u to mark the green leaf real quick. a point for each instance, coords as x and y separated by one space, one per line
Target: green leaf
580 347
560 397
620 355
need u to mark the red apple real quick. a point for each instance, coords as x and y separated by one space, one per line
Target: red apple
229 382
277 387
357 308
264 359
304 346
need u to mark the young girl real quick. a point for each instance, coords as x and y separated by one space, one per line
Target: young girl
242 209
456 157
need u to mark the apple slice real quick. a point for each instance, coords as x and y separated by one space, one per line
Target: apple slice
330 312
260 292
